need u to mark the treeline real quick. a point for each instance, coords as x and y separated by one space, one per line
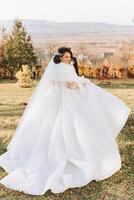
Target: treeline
118 65
16 51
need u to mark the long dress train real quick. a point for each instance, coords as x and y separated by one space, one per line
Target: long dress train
66 138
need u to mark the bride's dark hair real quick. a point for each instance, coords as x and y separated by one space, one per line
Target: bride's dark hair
61 51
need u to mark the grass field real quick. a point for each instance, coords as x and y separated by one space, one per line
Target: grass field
119 186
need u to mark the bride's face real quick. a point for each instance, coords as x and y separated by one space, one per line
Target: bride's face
66 58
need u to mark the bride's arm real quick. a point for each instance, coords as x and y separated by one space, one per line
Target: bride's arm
67 77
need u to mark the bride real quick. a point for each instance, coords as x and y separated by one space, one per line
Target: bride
66 136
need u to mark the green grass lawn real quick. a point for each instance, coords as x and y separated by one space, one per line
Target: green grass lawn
119 186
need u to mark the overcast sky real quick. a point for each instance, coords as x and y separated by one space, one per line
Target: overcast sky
109 11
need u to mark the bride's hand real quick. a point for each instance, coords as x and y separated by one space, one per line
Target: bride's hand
72 85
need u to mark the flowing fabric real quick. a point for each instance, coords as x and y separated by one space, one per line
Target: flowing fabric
65 137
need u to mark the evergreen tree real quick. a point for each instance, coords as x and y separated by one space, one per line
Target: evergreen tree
19 49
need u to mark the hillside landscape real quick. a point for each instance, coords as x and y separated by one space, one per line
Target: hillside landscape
97 37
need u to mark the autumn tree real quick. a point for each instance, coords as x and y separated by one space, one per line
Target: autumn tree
125 53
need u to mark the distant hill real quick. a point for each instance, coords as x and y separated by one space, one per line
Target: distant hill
99 37
41 27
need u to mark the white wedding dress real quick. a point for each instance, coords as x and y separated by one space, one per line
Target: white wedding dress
66 137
